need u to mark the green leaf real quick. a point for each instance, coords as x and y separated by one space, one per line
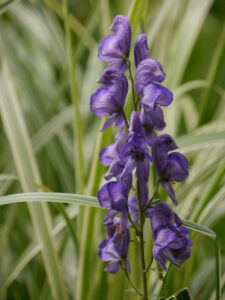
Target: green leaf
210 233
50 197
183 294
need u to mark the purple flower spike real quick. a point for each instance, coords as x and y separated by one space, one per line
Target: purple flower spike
155 94
116 46
170 167
113 195
171 241
109 100
141 49
148 70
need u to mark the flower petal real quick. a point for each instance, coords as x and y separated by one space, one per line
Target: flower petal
148 70
156 94
177 167
110 48
140 49
103 197
121 26
118 195
108 155
102 103
170 191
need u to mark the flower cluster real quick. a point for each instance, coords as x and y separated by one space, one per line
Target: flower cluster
137 146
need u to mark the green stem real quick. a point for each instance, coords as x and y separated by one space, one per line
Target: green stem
132 284
62 210
130 219
132 81
78 137
141 236
153 196
150 263
125 118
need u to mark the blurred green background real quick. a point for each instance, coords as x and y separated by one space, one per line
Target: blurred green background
50 141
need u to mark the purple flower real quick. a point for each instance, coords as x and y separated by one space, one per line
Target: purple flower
155 94
141 49
113 195
116 46
109 100
148 71
170 167
133 202
171 241
110 156
115 248
135 153
152 119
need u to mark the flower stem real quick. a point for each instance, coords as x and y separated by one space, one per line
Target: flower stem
132 81
125 118
149 265
153 196
141 236
132 284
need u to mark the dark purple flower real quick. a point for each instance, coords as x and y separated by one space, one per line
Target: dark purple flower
133 202
152 119
115 47
110 156
109 100
141 49
170 167
113 195
148 71
115 248
155 94
135 153
171 241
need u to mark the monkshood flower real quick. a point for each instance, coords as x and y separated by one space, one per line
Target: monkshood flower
151 120
115 47
148 71
115 248
170 167
135 153
133 202
110 156
113 195
140 49
155 94
109 100
171 241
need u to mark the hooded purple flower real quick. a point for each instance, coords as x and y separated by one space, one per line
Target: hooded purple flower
109 100
113 195
152 119
115 47
141 49
170 167
133 202
171 241
110 156
148 71
115 248
155 94
135 153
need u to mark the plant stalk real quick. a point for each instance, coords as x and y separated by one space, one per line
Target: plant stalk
141 236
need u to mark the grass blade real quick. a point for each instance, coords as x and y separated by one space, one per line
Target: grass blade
24 159
210 233
78 137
